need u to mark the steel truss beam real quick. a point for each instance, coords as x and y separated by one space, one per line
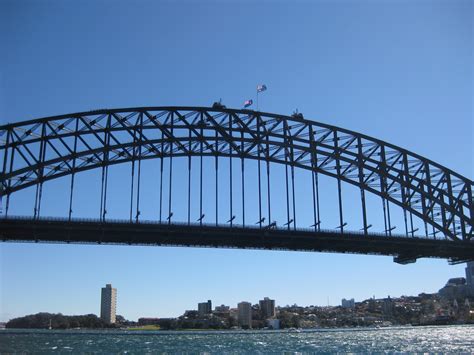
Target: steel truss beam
36 151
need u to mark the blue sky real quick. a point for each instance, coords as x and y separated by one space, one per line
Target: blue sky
400 71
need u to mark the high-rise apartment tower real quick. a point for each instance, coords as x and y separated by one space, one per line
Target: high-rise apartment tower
470 274
267 308
108 304
244 315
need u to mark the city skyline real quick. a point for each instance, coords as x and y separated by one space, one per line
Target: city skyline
458 288
370 75
268 306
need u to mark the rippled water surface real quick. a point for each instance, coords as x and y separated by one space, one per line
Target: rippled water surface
404 339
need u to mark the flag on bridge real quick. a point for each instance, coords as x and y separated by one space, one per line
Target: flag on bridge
261 88
248 103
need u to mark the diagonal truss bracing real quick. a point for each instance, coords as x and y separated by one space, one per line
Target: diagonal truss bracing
36 151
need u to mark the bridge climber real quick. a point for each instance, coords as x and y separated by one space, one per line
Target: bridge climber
436 202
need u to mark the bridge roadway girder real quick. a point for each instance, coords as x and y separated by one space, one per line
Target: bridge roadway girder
403 249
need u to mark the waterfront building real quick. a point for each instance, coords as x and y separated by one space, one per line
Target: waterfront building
348 303
273 323
108 304
204 308
267 308
244 314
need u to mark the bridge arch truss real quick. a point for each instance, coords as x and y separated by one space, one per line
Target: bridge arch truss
36 151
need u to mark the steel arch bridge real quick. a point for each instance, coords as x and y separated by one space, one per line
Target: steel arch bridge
34 152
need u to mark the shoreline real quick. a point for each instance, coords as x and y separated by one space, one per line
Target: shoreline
126 331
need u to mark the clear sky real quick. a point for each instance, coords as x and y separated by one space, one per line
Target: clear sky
401 71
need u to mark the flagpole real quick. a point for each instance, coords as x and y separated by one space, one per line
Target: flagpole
257 99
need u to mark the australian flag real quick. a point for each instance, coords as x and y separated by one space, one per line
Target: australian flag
261 88
248 103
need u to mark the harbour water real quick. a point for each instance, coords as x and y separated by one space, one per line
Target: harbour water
396 339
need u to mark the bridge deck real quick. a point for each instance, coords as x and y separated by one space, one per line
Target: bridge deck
404 249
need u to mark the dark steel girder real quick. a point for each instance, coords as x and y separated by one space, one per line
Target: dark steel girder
88 231
43 150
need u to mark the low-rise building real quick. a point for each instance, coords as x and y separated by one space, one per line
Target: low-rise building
148 321
348 303
222 308
273 323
